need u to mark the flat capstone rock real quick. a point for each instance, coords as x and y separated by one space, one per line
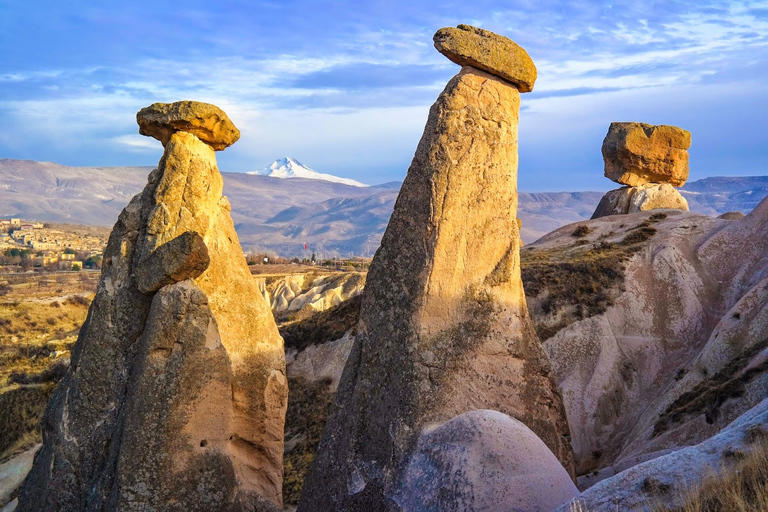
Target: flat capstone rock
207 122
485 50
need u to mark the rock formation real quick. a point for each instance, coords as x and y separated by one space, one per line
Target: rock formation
671 476
444 327
483 460
176 395
679 350
650 160
648 196
304 294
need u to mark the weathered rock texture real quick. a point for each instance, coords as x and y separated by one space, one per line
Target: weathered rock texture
671 477
680 352
444 327
649 196
304 294
638 153
184 257
483 460
207 122
482 49
174 400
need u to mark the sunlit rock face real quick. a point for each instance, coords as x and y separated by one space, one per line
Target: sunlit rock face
444 327
177 392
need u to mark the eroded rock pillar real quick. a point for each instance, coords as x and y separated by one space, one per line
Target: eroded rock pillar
444 326
177 393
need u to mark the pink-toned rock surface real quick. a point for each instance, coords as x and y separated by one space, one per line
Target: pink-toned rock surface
680 353
642 198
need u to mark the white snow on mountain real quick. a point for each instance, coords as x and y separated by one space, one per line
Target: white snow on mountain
290 168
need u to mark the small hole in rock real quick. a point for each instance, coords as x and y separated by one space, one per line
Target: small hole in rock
203 443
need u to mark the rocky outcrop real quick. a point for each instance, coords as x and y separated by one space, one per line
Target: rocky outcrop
679 352
649 196
444 327
639 153
651 160
671 477
175 398
302 294
483 460
184 257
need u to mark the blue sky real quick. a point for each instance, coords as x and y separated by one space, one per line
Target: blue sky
345 86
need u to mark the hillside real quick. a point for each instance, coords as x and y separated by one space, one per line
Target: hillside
281 215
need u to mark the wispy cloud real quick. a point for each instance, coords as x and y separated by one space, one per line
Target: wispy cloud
344 81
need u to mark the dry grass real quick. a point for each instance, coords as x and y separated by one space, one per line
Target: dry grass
21 409
742 488
708 395
32 333
39 323
577 281
324 326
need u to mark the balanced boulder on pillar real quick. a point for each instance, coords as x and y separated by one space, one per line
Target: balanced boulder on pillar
650 161
177 393
444 328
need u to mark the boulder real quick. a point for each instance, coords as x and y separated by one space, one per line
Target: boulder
482 49
184 257
443 310
638 153
649 196
207 122
483 460
128 427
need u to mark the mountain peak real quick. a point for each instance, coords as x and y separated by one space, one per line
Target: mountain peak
288 167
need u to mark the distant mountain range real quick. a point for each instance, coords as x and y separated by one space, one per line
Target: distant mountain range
289 168
331 218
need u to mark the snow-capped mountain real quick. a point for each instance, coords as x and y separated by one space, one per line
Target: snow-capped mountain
289 168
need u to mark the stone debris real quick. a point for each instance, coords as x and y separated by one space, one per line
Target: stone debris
177 391
207 122
482 49
444 328
650 160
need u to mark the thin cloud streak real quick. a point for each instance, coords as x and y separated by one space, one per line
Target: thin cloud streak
355 82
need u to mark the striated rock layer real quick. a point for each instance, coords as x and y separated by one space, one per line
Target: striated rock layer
444 327
175 399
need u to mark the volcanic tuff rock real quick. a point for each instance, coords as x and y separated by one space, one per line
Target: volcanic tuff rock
649 196
184 257
443 310
638 153
675 474
174 397
207 122
471 46
679 353
483 460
